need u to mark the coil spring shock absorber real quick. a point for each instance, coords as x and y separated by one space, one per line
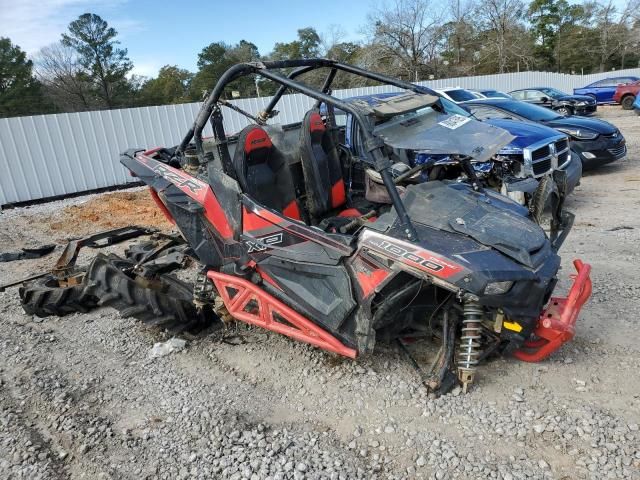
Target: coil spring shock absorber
469 349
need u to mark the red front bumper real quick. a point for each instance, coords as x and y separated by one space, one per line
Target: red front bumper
556 325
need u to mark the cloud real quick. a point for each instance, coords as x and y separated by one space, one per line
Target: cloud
145 68
33 24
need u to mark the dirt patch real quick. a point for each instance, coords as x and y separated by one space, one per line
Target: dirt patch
112 210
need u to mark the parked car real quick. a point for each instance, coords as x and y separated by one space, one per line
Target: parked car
626 94
636 105
457 94
489 93
535 151
595 141
602 90
561 102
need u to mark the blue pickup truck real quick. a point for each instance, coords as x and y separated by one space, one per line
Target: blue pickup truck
535 152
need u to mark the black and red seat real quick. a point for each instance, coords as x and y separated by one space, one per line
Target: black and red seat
323 177
263 172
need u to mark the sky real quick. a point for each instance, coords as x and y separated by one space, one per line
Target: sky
160 33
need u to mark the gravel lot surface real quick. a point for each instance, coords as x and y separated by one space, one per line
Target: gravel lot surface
80 397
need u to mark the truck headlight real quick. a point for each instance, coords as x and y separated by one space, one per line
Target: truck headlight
497 288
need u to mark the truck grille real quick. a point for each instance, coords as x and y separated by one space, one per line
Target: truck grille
543 157
540 153
562 145
563 152
562 158
541 167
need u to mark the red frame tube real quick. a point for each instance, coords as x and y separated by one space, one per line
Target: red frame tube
264 315
556 325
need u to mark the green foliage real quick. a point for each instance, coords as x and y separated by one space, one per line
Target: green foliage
307 45
170 86
104 64
20 93
215 59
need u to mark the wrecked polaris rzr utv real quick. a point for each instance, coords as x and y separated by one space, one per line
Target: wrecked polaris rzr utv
287 243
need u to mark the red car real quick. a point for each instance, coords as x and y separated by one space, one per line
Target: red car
626 94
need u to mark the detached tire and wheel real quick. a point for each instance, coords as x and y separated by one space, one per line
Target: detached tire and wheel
45 297
627 102
163 301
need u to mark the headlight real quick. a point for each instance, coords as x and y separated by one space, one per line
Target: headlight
497 288
578 133
581 104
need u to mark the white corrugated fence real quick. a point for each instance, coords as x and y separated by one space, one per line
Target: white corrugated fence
51 155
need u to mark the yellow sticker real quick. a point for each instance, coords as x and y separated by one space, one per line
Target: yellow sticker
516 327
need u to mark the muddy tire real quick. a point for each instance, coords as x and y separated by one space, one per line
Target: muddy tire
166 303
44 297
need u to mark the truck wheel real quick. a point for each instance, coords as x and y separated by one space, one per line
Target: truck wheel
45 297
627 102
163 301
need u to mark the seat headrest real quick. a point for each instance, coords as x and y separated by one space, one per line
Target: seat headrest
256 139
316 125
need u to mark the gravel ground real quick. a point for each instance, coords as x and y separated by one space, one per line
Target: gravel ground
80 397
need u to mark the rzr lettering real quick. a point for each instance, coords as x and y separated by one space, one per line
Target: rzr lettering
176 178
398 251
263 243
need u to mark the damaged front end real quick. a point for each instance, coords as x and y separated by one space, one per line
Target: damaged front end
481 275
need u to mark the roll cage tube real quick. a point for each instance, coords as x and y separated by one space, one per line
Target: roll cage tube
373 145
266 113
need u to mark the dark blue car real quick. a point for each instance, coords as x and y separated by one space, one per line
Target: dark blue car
603 90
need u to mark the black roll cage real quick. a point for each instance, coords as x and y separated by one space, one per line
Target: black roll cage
373 145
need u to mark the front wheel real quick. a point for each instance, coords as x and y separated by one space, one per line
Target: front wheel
565 111
627 102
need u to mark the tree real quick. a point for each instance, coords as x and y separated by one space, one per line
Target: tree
544 16
20 92
505 41
408 36
58 69
617 32
104 64
215 59
170 86
307 45
461 38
